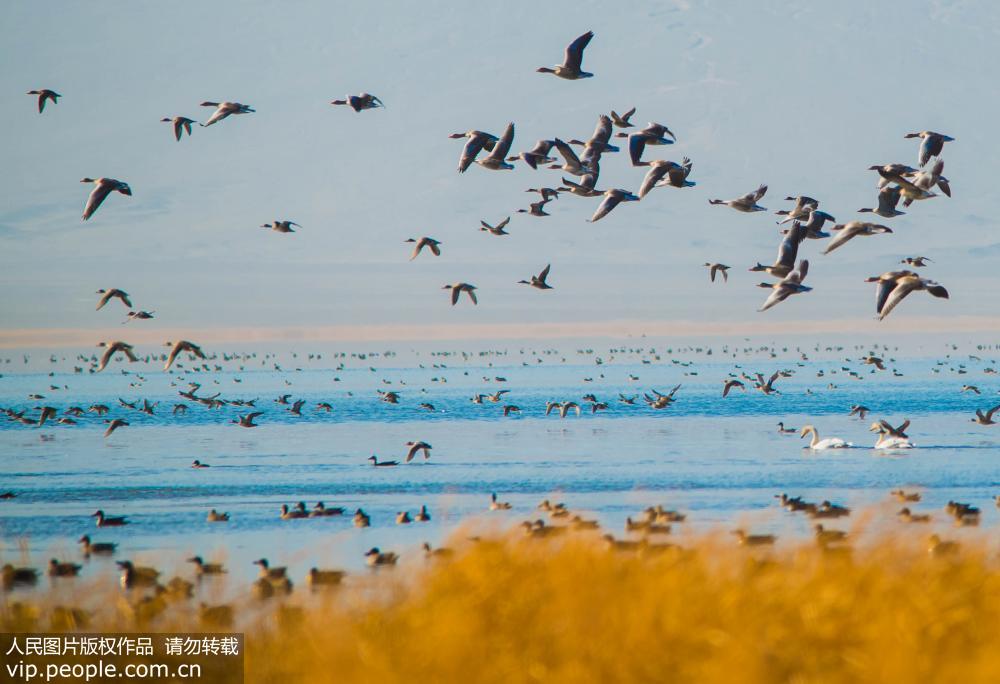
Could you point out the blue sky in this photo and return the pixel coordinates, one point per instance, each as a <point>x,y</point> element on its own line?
<point>803,96</point>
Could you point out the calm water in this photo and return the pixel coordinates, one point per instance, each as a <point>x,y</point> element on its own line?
<point>721,461</point>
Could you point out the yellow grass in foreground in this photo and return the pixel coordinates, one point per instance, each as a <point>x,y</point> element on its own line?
<point>570,610</point>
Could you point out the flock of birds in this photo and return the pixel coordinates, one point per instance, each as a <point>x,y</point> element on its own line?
<point>898,183</point>
<point>580,174</point>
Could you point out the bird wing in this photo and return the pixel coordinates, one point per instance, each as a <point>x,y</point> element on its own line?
<point>472,296</point>
<point>758,193</point>
<point>472,148</point>
<point>989,414</point>
<point>778,294</point>
<point>97,196</point>
<point>545,273</point>
<point>904,286</point>
<point>602,133</point>
<point>844,234</point>
<point>502,147</point>
<point>636,146</point>
<point>412,452</point>
<point>567,152</point>
<point>653,176</point>
<point>609,203</point>
<point>788,250</point>
<point>574,51</point>
<point>503,223</point>
<point>173,355</point>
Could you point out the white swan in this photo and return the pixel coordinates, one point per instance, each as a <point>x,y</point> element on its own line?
<point>819,444</point>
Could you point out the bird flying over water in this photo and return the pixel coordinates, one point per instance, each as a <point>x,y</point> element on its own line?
<point>612,198</point>
<point>179,347</point>
<point>112,348</point>
<point>181,124</point>
<point>931,144</point>
<point>361,102</point>
<point>458,288</point>
<point>538,281</point>
<point>894,286</point>
<point>745,203</point>
<point>428,242</point>
<point>852,229</point>
<point>108,295</point>
<point>786,287</point>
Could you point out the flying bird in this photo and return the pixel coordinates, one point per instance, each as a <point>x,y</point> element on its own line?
<point>43,95</point>
<point>428,242</point>
<point>458,288</point>
<point>112,348</point>
<point>612,198</point>
<point>496,160</point>
<point>894,286</point>
<point>361,102</point>
<point>181,124</point>
<point>498,229</point>
<point>888,199</point>
<point>417,447</point>
<point>666,173</point>
<point>281,226</point>
<point>745,203</point>
<point>652,134</point>
<point>477,142</point>
<point>224,109</point>
<point>786,287</point>
<point>622,120</point>
<point>852,229</point>
<point>571,68</point>
<point>538,281</point>
<point>102,188</point>
<point>108,295</point>
<point>179,347</point>
<point>717,268</point>
<point>931,144</point>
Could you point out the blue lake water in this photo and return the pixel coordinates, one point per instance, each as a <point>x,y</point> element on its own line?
<point>721,461</point>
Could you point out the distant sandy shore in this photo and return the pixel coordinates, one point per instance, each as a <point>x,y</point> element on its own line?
<point>623,329</point>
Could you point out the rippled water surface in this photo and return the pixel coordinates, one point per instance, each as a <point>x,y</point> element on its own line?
<point>718,460</point>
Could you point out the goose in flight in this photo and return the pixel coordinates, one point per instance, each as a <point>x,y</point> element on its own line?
<point>894,286</point>
<point>660,401</point>
<point>361,102</point>
<point>985,418</point>
<point>599,142</point>
<point>563,408</point>
<point>114,425</point>
<point>43,95</point>
<point>546,193</point>
<point>571,68</point>
<point>112,348</point>
<point>181,124</point>
<point>888,199</point>
<point>179,347</point>
<point>818,444</point>
<point>102,188</point>
<point>539,154</point>
<point>729,384</point>
<point>889,437</point>
<point>417,447</point>
<point>247,420</point>
<point>666,173</point>
<point>916,262</point>
<point>224,109</point>
<point>652,134</point>
<point>476,143</point>
<point>572,164</point>
<point>787,252</point>
<point>786,287</point>
<point>889,173</point>
<point>622,120</point>
<point>745,203</point>
<point>458,288</point>
<point>538,281</point>
<point>537,209</point>
<point>428,242</point>
<point>930,177</point>
<point>852,229</point>
<point>612,198</point>
<point>138,316</point>
<point>281,226</point>
<point>585,188</point>
<point>813,223</point>
<point>717,268</point>
<point>114,292</point>
<point>803,205</point>
<point>497,159</point>
<point>498,229</point>
<point>767,387</point>
<point>931,144</point>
